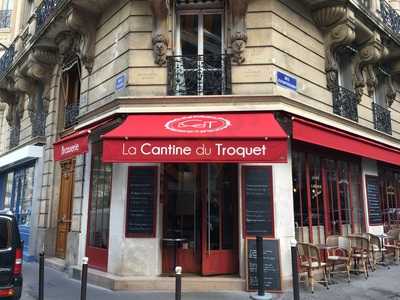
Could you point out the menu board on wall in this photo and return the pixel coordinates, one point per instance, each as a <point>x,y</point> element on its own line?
<point>257,196</point>
<point>141,202</point>
<point>272,265</point>
<point>374,201</point>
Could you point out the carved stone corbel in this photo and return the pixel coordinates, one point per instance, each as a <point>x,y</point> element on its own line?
<point>338,26</point>
<point>160,41</point>
<point>238,29</point>
<point>390,92</point>
<point>84,22</point>
<point>368,55</point>
<point>67,43</point>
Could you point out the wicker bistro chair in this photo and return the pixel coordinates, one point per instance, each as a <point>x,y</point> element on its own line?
<point>360,253</point>
<point>338,253</point>
<point>310,261</point>
<point>392,244</point>
<point>377,248</point>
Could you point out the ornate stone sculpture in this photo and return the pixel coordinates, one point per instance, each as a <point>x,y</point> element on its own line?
<point>160,41</point>
<point>84,22</point>
<point>368,55</point>
<point>238,29</point>
<point>338,25</point>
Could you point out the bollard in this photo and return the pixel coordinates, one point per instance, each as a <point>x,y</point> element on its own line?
<point>85,261</point>
<point>261,295</point>
<point>295,273</point>
<point>178,283</point>
<point>41,275</point>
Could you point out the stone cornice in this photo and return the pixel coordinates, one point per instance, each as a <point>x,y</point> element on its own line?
<point>231,103</point>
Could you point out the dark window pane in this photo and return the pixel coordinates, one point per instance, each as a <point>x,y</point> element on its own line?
<point>5,233</point>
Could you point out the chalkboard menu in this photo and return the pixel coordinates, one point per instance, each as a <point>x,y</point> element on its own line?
<point>272,265</point>
<point>374,202</point>
<point>257,195</point>
<point>141,202</point>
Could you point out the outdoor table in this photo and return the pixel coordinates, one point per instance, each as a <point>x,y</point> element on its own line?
<point>382,239</point>
<point>174,241</point>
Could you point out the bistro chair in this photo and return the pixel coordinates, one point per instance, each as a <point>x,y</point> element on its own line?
<point>338,253</point>
<point>310,261</point>
<point>360,253</point>
<point>392,244</point>
<point>377,248</point>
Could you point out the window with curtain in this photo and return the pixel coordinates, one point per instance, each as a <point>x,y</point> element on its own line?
<point>327,196</point>
<point>390,189</point>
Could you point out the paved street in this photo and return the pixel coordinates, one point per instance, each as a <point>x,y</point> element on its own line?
<point>382,284</point>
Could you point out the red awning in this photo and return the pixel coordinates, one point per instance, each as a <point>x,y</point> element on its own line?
<point>74,144</point>
<point>227,137</point>
<point>314,133</point>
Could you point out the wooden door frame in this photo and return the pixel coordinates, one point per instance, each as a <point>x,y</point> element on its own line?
<point>66,166</point>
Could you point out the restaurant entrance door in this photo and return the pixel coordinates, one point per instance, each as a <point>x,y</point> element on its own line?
<point>201,218</point>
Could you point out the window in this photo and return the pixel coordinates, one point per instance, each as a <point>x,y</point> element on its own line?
<point>381,113</point>
<point>71,90</point>
<point>390,189</point>
<point>200,66</point>
<point>100,197</point>
<point>327,196</point>
<point>8,4</point>
<point>18,193</point>
<point>5,233</point>
<point>345,100</point>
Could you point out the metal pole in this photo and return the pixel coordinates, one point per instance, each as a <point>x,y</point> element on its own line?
<point>41,275</point>
<point>260,266</point>
<point>178,283</point>
<point>295,273</point>
<point>85,261</point>
<point>261,295</point>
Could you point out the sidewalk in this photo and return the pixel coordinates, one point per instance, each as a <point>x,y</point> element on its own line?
<point>382,285</point>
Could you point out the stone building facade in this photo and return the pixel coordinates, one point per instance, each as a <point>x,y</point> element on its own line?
<point>326,71</point>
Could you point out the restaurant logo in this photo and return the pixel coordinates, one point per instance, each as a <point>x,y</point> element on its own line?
<point>197,124</point>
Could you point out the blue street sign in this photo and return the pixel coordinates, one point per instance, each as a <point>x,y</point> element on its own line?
<point>120,82</point>
<point>286,81</point>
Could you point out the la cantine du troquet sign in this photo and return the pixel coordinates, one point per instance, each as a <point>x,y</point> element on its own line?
<point>193,138</point>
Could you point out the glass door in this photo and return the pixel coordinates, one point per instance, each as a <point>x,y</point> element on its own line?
<point>181,239</point>
<point>220,227</point>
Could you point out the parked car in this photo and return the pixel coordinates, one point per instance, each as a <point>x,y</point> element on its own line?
<point>11,249</point>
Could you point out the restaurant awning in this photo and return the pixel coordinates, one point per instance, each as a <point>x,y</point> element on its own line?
<point>230,137</point>
<point>74,144</point>
<point>310,132</point>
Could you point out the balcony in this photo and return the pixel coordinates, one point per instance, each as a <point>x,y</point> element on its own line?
<point>38,124</point>
<point>6,60</point>
<point>382,119</point>
<point>45,11</point>
<point>5,18</point>
<point>14,136</point>
<point>71,114</point>
<point>390,17</point>
<point>345,103</point>
<point>199,75</point>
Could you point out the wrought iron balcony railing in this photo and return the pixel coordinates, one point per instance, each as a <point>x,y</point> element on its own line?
<point>382,119</point>
<point>345,103</point>
<point>199,75</point>
<point>390,17</point>
<point>6,60</point>
<point>71,114</point>
<point>45,11</point>
<point>14,136</point>
<point>5,18</point>
<point>39,124</point>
